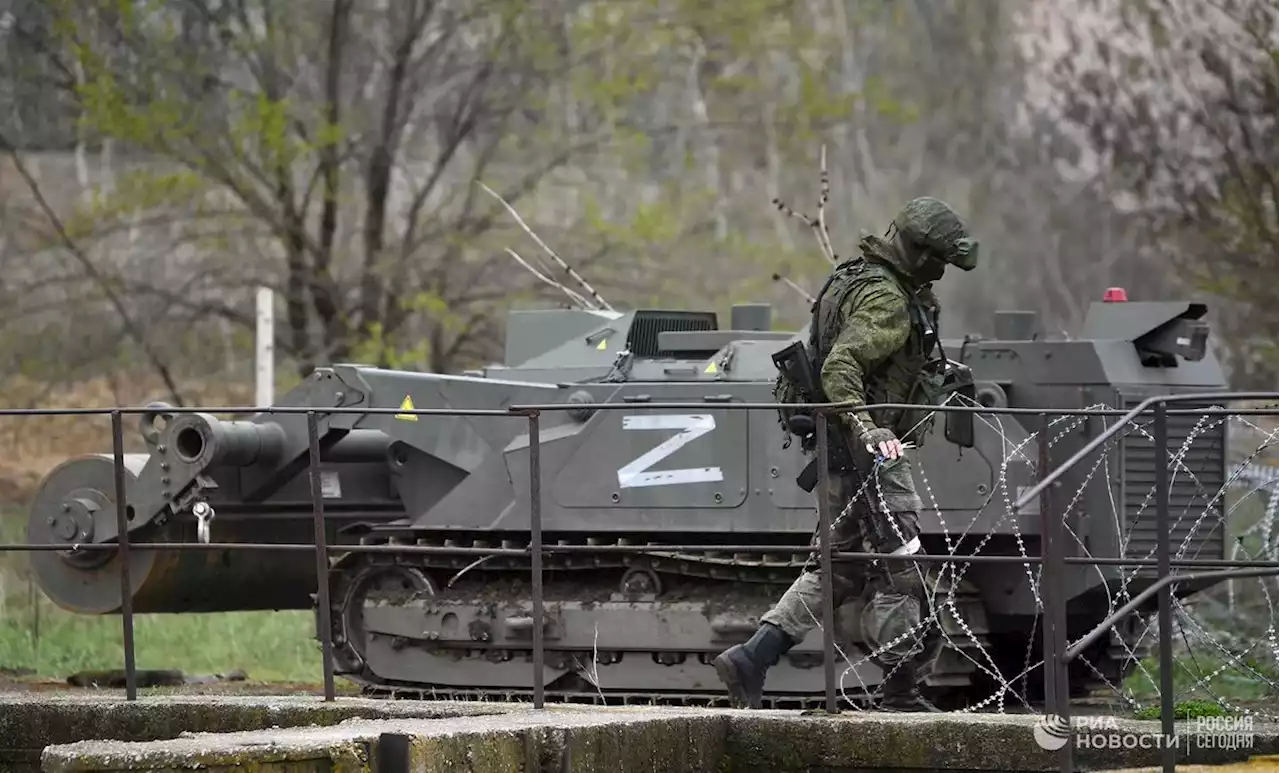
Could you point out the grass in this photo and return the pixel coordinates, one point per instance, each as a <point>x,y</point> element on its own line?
<point>1204,674</point>
<point>268,646</point>
<point>35,634</point>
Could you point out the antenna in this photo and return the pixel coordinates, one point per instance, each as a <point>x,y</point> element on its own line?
<point>600,303</point>
<point>819,223</point>
<point>576,298</point>
<point>802,292</point>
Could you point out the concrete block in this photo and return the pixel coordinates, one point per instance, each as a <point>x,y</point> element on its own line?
<point>782,742</point>
<point>514,738</point>
<point>560,740</point>
<point>31,722</point>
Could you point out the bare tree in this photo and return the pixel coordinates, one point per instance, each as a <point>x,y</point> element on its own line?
<point>333,152</point>
<point>1172,107</point>
<point>339,141</point>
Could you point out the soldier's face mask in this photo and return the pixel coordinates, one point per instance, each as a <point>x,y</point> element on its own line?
<point>921,263</point>
<point>931,267</point>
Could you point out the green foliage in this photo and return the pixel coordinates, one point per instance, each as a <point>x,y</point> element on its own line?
<point>734,47</point>
<point>615,91</point>
<point>1221,679</point>
<point>650,227</point>
<point>884,101</point>
<point>1193,709</point>
<point>262,121</point>
<point>133,193</point>
<point>399,352</point>
<point>378,349</point>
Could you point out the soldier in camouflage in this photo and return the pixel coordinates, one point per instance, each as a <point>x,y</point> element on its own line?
<point>876,327</point>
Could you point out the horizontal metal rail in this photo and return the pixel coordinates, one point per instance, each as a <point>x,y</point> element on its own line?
<point>1137,601</point>
<point>849,556</point>
<point>826,408</point>
<point>526,410</point>
<point>1057,655</point>
<point>1111,431</point>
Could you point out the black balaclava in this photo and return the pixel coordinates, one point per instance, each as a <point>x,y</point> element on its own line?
<point>918,263</point>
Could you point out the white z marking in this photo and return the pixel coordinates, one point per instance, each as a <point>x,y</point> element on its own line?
<point>636,473</point>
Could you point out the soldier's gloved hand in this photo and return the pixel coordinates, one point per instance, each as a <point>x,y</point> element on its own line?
<point>883,442</point>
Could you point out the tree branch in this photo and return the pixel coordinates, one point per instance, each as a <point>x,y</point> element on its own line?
<point>131,327</point>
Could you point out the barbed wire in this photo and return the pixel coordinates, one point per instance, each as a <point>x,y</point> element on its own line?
<point>1248,479</point>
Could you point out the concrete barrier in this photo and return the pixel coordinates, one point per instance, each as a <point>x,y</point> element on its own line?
<point>511,738</point>
<point>30,722</point>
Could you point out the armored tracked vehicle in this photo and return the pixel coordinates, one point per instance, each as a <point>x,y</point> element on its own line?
<point>641,627</point>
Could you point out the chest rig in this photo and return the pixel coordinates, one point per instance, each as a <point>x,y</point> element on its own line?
<point>912,375</point>
<point>896,379</point>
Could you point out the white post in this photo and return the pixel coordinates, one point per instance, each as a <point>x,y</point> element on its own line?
<point>265,348</point>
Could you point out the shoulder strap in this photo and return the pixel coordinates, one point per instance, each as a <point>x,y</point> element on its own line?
<point>924,321</point>
<point>844,270</point>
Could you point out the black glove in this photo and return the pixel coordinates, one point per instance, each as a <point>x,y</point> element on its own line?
<point>882,442</point>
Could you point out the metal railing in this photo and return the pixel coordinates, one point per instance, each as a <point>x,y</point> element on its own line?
<point>1057,655</point>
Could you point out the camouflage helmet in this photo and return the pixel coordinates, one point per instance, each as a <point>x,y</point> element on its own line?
<point>932,225</point>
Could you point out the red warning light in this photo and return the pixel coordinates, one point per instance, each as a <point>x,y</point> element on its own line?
<point>1114,295</point>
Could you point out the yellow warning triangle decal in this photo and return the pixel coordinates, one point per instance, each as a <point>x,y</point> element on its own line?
<point>406,405</point>
<point>711,369</point>
<point>602,344</point>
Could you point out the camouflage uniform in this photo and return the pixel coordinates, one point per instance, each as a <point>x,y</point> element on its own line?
<point>874,349</point>
<point>875,328</point>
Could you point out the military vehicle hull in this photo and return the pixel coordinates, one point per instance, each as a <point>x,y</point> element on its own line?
<point>627,461</point>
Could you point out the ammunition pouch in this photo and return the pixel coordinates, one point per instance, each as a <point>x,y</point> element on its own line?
<point>839,457</point>
<point>807,480</point>
<point>903,578</point>
<point>839,454</point>
<point>937,381</point>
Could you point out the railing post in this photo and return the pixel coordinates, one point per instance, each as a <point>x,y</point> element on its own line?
<point>824,547</point>
<point>1168,752</point>
<point>324,624</point>
<point>535,548</point>
<point>122,532</point>
<point>1057,698</point>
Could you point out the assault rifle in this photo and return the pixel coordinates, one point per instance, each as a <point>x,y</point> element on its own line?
<point>795,365</point>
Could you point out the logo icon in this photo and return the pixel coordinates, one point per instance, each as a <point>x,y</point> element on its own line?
<point>1052,732</point>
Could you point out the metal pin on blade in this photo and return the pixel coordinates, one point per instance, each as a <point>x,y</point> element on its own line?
<point>203,512</point>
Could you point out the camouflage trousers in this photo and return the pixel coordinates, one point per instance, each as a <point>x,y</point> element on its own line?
<point>894,592</point>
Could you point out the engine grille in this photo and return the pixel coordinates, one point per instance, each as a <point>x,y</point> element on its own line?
<point>642,339</point>
<point>1194,484</point>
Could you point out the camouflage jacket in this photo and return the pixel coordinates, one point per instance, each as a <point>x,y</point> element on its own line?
<point>873,333</point>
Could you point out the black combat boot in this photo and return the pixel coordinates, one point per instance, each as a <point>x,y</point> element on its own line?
<point>742,667</point>
<point>900,692</point>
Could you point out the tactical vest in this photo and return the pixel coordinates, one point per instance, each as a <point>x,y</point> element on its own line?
<point>898,378</point>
